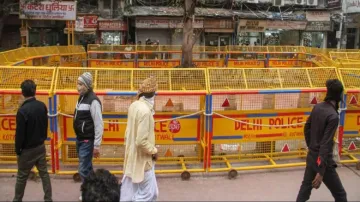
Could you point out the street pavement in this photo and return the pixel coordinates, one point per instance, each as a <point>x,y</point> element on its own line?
<point>264,185</point>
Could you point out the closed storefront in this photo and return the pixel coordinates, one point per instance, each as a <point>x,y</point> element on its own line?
<point>315,34</point>
<point>269,32</point>
<point>219,32</point>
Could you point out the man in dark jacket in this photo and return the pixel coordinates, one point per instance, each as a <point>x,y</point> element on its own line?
<point>31,132</point>
<point>88,125</point>
<point>319,130</point>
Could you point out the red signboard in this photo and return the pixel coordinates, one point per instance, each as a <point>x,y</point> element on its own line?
<point>112,25</point>
<point>90,21</point>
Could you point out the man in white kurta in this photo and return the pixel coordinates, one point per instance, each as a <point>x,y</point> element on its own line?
<point>139,182</point>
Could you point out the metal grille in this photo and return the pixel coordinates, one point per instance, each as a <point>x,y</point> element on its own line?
<point>350,78</point>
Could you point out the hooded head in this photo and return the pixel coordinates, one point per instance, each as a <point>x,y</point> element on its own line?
<point>148,88</point>
<point>84,83</point>
<point>334,92</point>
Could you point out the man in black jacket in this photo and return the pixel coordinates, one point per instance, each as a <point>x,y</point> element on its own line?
<point>31,132</point>
<point>319,130</point>
<point>88,125</point>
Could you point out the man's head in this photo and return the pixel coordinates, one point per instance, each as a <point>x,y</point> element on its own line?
<point>99,186</point>
<point>84,83</point>
<point>148,87</point>
<point>335,90</point>
<point>28,88</point>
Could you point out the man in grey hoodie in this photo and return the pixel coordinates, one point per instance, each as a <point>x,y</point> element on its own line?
<point>88,125</point>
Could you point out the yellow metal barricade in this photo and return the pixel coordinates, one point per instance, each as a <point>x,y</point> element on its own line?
<point>44,56</point>
<point>257,116</point>
<point>209,56</point>
<point>111,56</point>
<point>11,99</point>
<point>351,116</point>
<point>179,107</point>
<point>158,56</point>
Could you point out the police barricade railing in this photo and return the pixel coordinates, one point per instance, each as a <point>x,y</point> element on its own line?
<point>10,100</point>
<point>179,107</point>
<point>257,116</point>
<point>208,56</point>
<point>350,141</point>
<point>116,59</point>
<point>44,56</point>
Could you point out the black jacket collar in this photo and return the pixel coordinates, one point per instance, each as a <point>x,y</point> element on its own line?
<point>28,100</point>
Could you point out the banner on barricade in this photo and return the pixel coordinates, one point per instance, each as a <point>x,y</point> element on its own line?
<point>159,63</point>
<point>247,63</point>
<point>259,127</point>
<point>113,63</point>
<point>284,63</point>
<point>208,63</point>
<point>185,130</point>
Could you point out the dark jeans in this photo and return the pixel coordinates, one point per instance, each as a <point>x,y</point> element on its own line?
<point>85,151</point>
<point>331,180</point>
<point>26,161</point>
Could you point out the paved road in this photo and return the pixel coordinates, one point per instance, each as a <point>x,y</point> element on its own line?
<point>269,185</point>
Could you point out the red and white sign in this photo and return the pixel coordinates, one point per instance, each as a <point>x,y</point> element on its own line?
<point>48,10</point>
<point>285,148</point>
<point>117,25</point>
<point>24,32</point>
<point>174,126</point>
<point>322,16</point>
<point>90,21</point>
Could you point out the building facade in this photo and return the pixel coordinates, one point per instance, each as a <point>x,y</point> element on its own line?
<point>313,23</point>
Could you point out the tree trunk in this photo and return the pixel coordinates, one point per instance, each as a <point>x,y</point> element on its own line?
<point>189,38</point>
<point>2,19</point>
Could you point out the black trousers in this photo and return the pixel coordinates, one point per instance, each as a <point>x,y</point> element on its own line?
<point>26,161</point>
<point>331,180</point>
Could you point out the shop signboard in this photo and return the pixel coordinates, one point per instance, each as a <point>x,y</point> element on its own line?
<point>321,16</point>
<point>178,23</point>
<point>351,6</point>
<point>152,23</point>
<point>112,25</point>
<point>219,24</point>
<point>48,10</point>
<point>319,26</point>
<point>333,3</point>
<point>252,26</point>
<point>286,25</point>
<point>164,23</point>
<point>90,21</point>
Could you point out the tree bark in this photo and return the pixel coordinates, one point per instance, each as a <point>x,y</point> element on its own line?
<point>189,38</point>
<point>1,26</point>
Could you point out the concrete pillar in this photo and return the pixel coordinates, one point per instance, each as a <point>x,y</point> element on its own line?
<point>325,40</point>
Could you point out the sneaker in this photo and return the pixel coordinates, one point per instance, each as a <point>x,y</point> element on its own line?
<point>80,198</point>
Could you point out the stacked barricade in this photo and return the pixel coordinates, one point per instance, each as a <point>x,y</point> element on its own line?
<point>256,116</point>
<point>346,59</point>
<point>179,108</point>
<point>268,56</point>
<point>107,56</point>
<point>10,100</point>
<point>350,118</point>
<point>45,56</point>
